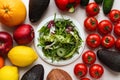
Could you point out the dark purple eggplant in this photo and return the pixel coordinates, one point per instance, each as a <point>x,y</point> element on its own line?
<point>37,9</point>
<point>35,73</point>
<point>110,58</point>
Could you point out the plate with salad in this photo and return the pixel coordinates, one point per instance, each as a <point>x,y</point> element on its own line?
<point>59,40</point>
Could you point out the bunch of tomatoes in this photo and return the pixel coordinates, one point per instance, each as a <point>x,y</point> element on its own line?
<point>103,28</point>
<point>100,34</point>
<point>81,69</point>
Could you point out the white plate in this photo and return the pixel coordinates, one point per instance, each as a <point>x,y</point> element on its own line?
<point>62,62</point>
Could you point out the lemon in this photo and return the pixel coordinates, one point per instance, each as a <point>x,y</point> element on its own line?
<point>22,56</point>
<point>9,73</point>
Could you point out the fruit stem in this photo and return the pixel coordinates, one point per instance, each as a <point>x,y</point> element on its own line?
<point>71,10</point>
<point>6,10</point>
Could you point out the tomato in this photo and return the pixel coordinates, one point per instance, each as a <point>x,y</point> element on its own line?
<point>89,57</point>
<point>117,29</point>
<point>93,40</point>
<point>117,44</point>
<point>67,5</point>
<point>96,71</point>
<point>92,9</point>
<point>108,41</point>
<point>90,23</point>
<point>84,79</point>
<point>105,27</point>
<point>80,70</point>
<point>114,15</point>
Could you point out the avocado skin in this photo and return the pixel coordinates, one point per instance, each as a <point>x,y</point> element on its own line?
<point>84,2</point>
<point>98,1</point>
<point>110,58</point>
<point>35,73</point>
<point>37,8</point>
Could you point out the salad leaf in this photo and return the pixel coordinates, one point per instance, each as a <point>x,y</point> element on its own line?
<point>63,43</point>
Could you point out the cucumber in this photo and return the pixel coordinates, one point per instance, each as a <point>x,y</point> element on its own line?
<point>107,6</point>
<point>84,2</point>
<point>61,52</point>
<point>98,1</point>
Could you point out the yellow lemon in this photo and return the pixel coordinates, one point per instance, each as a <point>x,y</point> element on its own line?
<point>9,73</point>
<point>22,56</point>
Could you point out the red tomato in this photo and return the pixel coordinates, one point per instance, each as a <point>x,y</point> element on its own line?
<point>67,5</point>
<point>117,29</point>
<point>96,71</point>
<point>117,44</point>
<point>108,41</point>
<point>84,79</point>
<point>80,70</point>
<point>114,15</point>
<point>89,57</point>
<point>91,23</point>
<point>92,9</point>
<point>105,27</point>
<point>93,40</point>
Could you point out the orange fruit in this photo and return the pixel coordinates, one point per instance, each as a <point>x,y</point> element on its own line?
<point>1,62</point>
<point>12,12</point>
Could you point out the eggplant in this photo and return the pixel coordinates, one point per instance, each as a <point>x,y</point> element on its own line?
<point>37,9</point>
<point>110,58</point>
<point>35,73</point>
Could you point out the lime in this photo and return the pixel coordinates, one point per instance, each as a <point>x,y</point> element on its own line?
<point>22,56</point>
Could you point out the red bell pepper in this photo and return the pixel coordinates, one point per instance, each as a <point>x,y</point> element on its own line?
<point>67,5</point>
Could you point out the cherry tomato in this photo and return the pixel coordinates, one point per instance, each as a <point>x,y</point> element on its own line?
<point>91,23</point>
<point>96,71</point>
<point>105,27</point>
<point>117,44</point>
<point>92,9</point>
<point>93,40</point>
<point>117,29</point>
<point>84,79</point>
<point>108,41</point>
<point>89,57</point>
<point>114,15</point>
<point>80,70</point>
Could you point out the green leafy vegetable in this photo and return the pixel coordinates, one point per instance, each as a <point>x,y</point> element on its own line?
<point>59,41</point>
